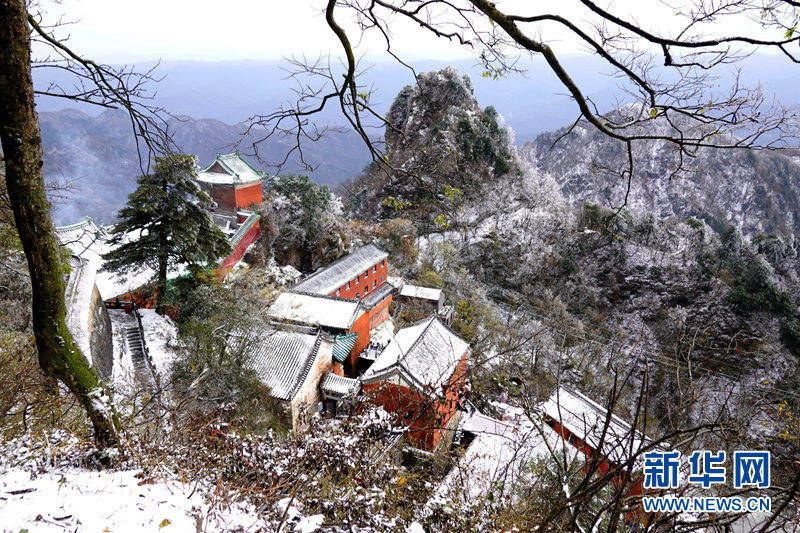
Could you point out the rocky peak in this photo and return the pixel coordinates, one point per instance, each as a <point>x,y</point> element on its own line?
<point>441,147</point>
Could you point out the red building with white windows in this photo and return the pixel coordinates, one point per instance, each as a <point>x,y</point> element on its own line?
<point>360,275</point>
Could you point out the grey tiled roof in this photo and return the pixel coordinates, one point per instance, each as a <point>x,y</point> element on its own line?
<point>377,296</point>
<point>282,358</point>
<point>340,386</point>
<point>427,353</point>
<point>333,276</point>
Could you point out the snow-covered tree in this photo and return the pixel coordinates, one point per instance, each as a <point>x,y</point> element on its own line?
<point>164,225</point>
<point>306,219</point>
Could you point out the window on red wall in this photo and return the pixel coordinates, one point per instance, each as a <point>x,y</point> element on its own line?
<point>337,292</point>
<point>358,295</point>
<point>348,284</point>
<point>374,282</point>
<point>374,268</point>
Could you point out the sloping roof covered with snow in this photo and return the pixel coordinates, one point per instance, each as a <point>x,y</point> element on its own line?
<point>427,353</point>
<point>585,419</point>
<point>499,459</point>
<point>329,278</point>
<point>234,170</point>
<point>377,296</point>
<point>282,358</point>
<point>314,309</point>
<point>82,238</point>
<point>396,281</point>
<point>340,386</point>
<point>89,241</point>
<point>415,291</point>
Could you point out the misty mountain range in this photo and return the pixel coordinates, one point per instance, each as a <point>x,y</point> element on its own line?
<point>96,152</point>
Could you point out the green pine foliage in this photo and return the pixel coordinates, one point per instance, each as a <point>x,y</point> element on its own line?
<point>166,214</point>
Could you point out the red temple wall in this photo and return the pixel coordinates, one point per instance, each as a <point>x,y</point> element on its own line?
<point>249,238</point>
<point>361,327</point>
<point>225,198</point>
<point>429,418</point>
<point>381,271</point>
<point>379,313</point>
<point>250,194</point>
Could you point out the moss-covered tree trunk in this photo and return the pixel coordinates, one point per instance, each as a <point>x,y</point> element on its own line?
<point>59,356</point>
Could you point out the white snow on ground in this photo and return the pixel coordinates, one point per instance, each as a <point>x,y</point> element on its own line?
<point>160,333</point>
<point>74,499</point>
<point>42,488</point>
<point>309,524</point>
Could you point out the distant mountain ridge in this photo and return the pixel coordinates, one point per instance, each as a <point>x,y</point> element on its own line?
<point>98,153</point>
<point>755,191</point>
<point>98,156</point>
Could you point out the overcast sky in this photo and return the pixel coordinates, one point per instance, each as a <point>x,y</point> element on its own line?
<point>116,31</point>
<point>211,30</point>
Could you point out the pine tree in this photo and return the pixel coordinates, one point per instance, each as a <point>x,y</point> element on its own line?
<point>165,214</point>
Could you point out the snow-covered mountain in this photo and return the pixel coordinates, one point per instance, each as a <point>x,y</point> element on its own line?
<point>648,287</point>
<point>755,191</point>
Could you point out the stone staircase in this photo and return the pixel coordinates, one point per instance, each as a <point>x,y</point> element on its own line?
<point>134,344</point>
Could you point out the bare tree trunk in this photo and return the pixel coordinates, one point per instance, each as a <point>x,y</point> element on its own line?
<point>59,356</point>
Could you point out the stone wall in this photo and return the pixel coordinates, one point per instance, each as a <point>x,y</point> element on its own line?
<point>100,337</point>
<point>304,404</point>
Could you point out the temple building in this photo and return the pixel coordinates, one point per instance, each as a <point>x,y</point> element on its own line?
<point>290,361</point>
<point>420,376</point>
<point>360,275</point>
<point>232,183</point>
<point>346,320</point>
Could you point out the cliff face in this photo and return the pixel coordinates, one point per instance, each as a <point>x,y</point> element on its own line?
<point>756,191</point>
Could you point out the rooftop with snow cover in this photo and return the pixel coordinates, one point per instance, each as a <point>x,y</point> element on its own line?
<point>339,386</point>
<point>82,238</point>
<point>230,169</point>
<point>282,358</point>
<point>314,309</point>
<point>89,241</point>
<point>426,354</point>
<point>425,293</point>
<point>586,419</point>
<point>329,278</point>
